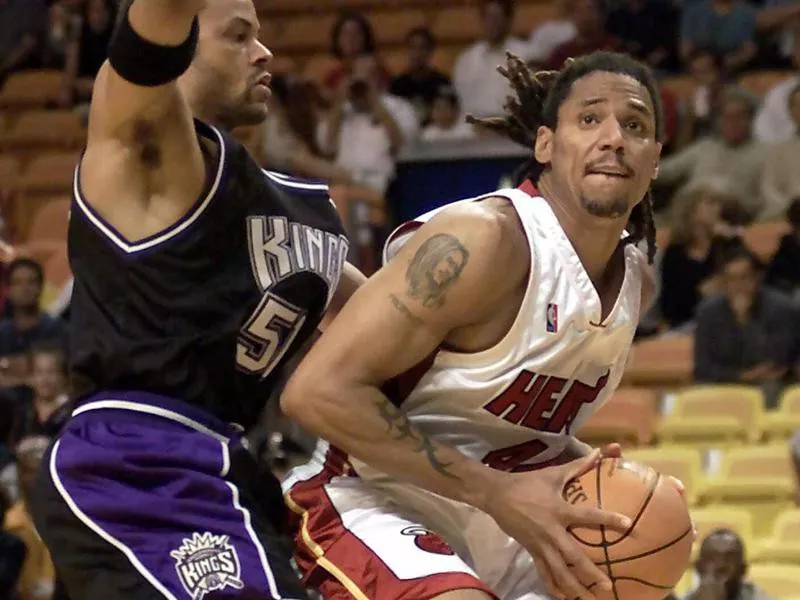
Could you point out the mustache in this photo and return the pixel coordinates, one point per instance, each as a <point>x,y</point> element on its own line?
<point>614,161</point>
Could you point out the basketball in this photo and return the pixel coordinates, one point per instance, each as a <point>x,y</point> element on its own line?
<point>646,561</point>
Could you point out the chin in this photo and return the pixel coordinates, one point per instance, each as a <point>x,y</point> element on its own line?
<point>606,208</point>
<point>250,115</point>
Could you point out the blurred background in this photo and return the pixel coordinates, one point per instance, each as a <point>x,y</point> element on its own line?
<point>371,95</point>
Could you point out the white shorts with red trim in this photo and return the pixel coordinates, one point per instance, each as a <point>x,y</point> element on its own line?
<point>368,541</point>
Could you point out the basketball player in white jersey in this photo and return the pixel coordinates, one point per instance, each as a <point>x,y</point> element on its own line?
<point>450,386</point>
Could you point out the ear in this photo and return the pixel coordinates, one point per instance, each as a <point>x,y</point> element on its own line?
<point>543,148</point>
<point>659,147</point>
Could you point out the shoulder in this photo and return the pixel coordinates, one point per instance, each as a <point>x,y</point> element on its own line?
<point>299,186</point>
<point>711,306</point>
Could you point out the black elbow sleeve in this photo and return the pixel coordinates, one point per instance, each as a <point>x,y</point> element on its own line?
<point>147,64</point>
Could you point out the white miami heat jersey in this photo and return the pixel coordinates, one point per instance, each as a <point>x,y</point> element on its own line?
<point>514,405</point>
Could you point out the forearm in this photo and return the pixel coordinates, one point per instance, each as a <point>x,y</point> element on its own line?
<point>392,128</point>
<point>362,421</point>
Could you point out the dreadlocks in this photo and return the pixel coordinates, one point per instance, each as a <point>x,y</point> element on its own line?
<point>538,96</point>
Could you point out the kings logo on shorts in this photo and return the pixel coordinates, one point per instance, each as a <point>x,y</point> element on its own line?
<point>207,563</point>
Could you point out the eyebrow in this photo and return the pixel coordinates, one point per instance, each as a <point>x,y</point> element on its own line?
<point>635,105</point>
<point>248,25</point>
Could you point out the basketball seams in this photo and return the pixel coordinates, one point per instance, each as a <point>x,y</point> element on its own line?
<point>654,550</point>
<point>603,542</point>
<point>651,492</point>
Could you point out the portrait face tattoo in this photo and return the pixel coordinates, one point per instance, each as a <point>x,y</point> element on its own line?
<point>434,268</point>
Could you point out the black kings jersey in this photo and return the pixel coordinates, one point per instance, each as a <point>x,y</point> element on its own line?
<point>207,310</point>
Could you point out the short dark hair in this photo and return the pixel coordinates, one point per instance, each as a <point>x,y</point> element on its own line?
<point>738,251</point>
<point>539,95</point>
<point>25,263</point>
<point>448,92</point>
<point>508,6</point>
<point>424,33</point>
<point>366,30</point>
<point>793,213</point>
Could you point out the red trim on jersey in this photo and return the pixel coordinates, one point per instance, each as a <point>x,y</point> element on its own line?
<point>400,387</point>
<point>529,188</point>
<point>362,568</point>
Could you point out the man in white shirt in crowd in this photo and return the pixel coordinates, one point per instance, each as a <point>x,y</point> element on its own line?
<point>774,121</point>
<point>446,123</point>
<point>481,88</point>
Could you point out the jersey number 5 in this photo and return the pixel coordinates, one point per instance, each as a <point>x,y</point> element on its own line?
<point>268,335</point>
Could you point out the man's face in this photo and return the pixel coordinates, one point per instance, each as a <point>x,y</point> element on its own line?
<point>47,375</point>
<point>735,121</point>
<point>230,66</point>
<point>740,280</point>
<point>419,51</point>
<point>496,23</point>
<point>24,288</point>
<point>721,558</point>
<point>603,152</point>
<point>588,18</point>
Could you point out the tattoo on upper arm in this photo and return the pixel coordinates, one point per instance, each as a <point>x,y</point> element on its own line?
<point>400,426</point>
<point>436,266</point>
<point>398,304</point>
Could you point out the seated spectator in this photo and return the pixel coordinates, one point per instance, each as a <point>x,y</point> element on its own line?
<point>781,180</point>
<point>446,122</point>
<point>774,121</point>
<point>367,127</point>
<point>351,38</point>
<point>551,34</point>
<point>727,28</point>
<point>591,36</point>
<point>731,156</point>
<point>749,333</point>
<point>708,76</point>
<point>420,82</point>
<point>37,577</point>
<point>28,324</point>
<point>480,87</point>
<point>48,409</point>
<point>647,30</point>
<point>783,272</point>
<point>288,140</point>
<point>64,25</point>
<point>22,27</point>
<point>721,568</point>
<point>87,51</point>
<point>698,238</point>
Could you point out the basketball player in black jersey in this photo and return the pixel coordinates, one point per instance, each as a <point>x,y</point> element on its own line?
<point>197,275</point>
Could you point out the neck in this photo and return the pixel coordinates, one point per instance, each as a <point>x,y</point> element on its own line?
<point>595,240</point>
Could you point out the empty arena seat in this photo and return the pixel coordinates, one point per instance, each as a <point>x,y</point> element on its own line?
<point>684,463</point>
<point>45,231</point>
<point>708,519</point>
<point>665,361</point>
<point>31,89</point>
<point>392,26</point>
<point>783,546</point>
<point>457,24</point>
<point>529,16</point>
<point>306,32</point>
<point>45,128</point>
<point>48,173</point>
<point>783,422</point>
<point>776,580</point>
<point>629,418</point>
<point>758,478</point>
<point>9,173</point>
<point>709,414</point>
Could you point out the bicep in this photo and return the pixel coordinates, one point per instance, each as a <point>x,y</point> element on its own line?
<point>349,282</point>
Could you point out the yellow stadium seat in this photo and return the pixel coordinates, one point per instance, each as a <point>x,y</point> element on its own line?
<point>782,423</point>
<point>9,173</point>
<point>629,418</point>
<point>683,463</point>
<point>778,581</point>
<point>392,26</point>
<point>529,16</point>
<point>457,24</point>
<point>43,128</point>
<point>666,361</point>
<point>31,89</point>
<point>49,173</point>
<point>759,478</point>
<point>686,584</point>
<point>708,519</point>
<point>783,546</point>
<point>306,32</point>
<point>712,414</point>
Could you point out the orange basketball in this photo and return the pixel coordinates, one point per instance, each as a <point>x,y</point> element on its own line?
<point>648,560</point>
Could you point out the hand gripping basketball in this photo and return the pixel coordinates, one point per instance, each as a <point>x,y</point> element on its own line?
<point>531,509</point>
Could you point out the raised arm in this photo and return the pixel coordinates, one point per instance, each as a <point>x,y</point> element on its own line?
<point>140,126</point>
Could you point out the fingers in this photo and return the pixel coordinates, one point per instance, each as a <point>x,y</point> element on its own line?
<point>589,516</point>
<point>566,579</point>
<point>612,451</point>
<point>678,484</point>
<point>546,575</point>
<point>583,465</point>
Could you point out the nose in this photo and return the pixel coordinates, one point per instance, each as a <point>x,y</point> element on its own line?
<point>611,135</point>
<point>262,55</point>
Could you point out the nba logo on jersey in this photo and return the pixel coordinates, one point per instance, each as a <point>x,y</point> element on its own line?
<point>207,563</point>
<point>552,318</point>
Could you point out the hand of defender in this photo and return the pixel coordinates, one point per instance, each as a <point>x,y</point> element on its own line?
<point>531,509</point>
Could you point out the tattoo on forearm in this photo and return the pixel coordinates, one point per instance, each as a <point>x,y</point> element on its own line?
<point>398,304</point>
<point>400,426</point>
<point>435,267</point>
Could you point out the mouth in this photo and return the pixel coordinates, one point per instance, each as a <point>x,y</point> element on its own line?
<point>264,81</point>
<point>609,171</point>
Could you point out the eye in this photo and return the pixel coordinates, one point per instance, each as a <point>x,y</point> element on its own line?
<point>635,126</point>
<point>589,119</point>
